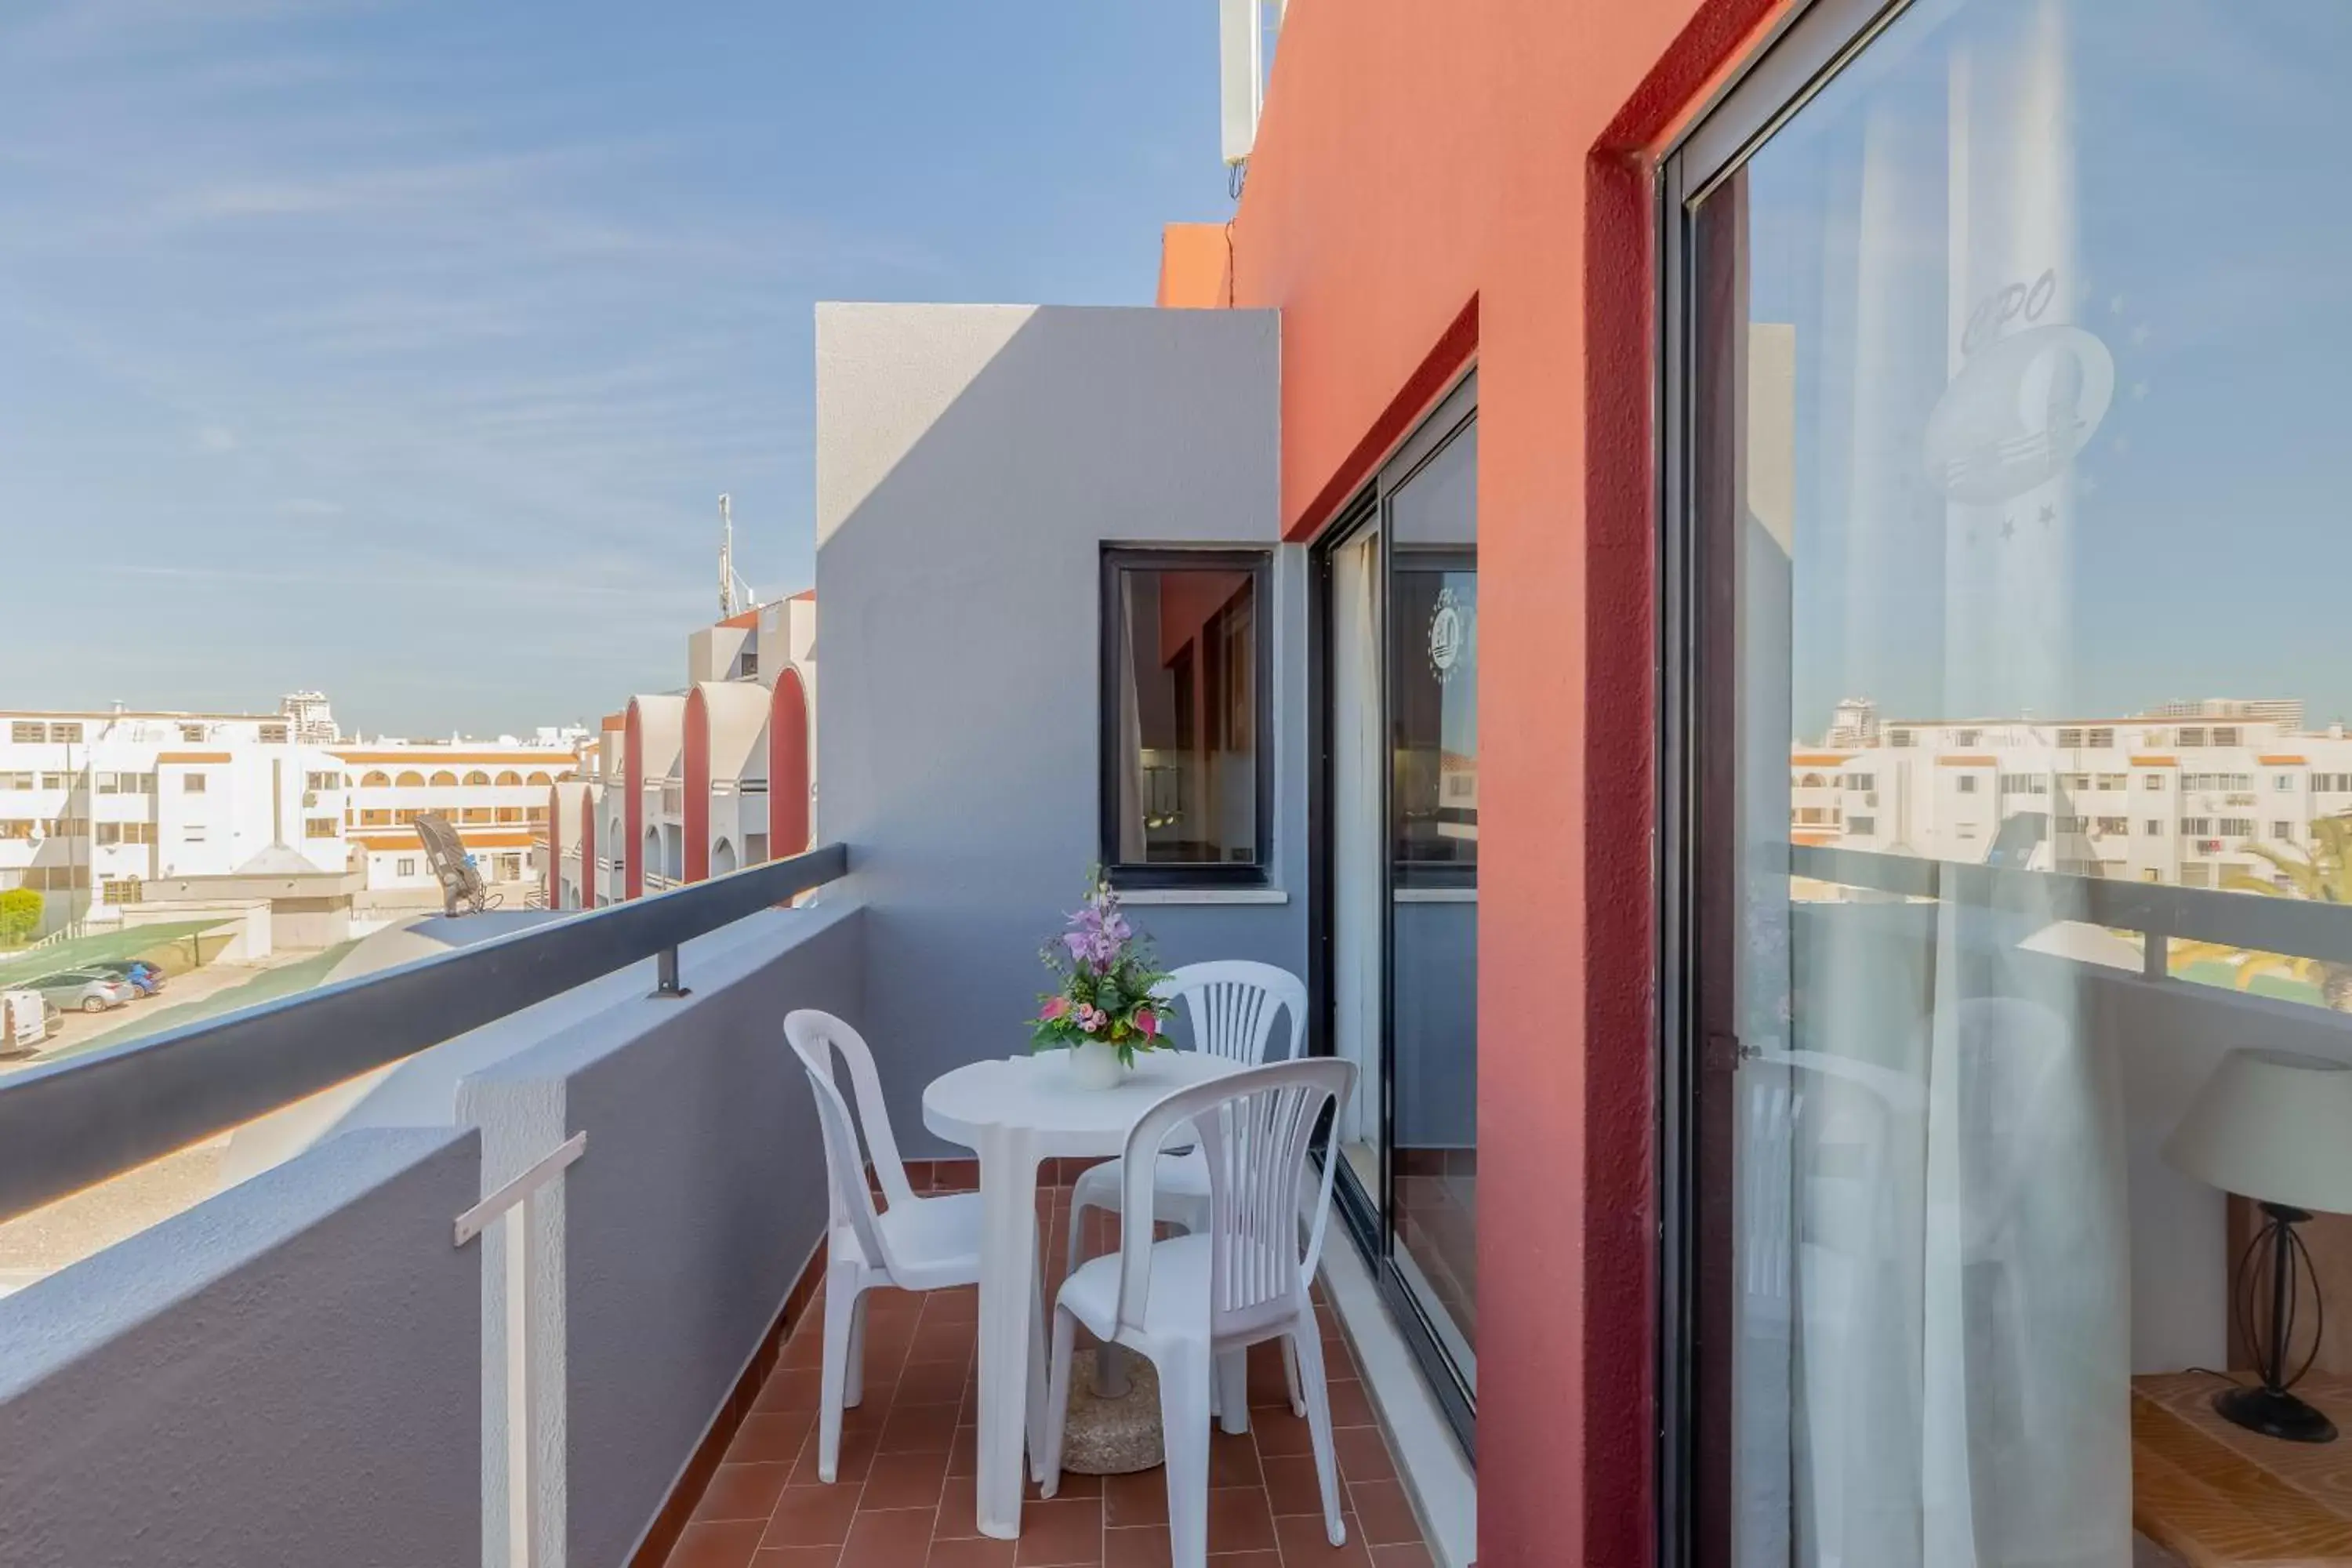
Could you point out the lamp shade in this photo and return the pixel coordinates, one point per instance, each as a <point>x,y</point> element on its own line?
<point>2274,1126</point>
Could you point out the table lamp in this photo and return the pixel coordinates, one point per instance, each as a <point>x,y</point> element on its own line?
<point>2276,1128</point>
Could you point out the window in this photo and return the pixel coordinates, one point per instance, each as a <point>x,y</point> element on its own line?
<point>2284,831</point>
<point>15,827</point>
<point>118,889</point>
<point>406,866</point>
<point>2115,825</point>
<point>108,833</point>
<point>1862,780</point>
<point>376,779</point>
<point>477,777</point>
<point>68,732</point>
<point>1901,738</point>
<point>375,817</point>
<point>1965,737</point>
<point>2331,783</point>
<point>17,781</point>
<point>54,780</point>
<point>2070,739</point>
<point>2069,824</point>
<point>409,780</point>
<point>191,783</point>
<point>1187,774</point>
<point>508,778</point>
<point>191,734</point>
<point>510,814</point>
<point>539,812</point>
<point>2074,781</point>
<point>2153,828</point>
<point>320,827</point>
<point>1862,826</point>
<point>323,781</point>
<point>2024,783</point>
<point>2102,740</point>
<point>1966,783</point>
<point>539,778</point>
<point>194,833</point>
<point>2113,781</point>
<point>444,779</point>
<point>474,814</point>
<point>1919,274</point>
<point>27,731</point>
<point>273,734</point>
<point>2283,782</point>
<point>126,783</point>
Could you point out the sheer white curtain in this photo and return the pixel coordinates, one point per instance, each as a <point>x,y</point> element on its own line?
<point>1934,1348</point>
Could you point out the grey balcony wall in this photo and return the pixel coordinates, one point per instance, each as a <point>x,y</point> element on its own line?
<point>700,1196</point>
<point>972,463</point>
<point>289,1373</point>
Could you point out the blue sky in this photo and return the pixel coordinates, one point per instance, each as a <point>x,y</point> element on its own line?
<point>401,348</point>
<point>2214,261</point>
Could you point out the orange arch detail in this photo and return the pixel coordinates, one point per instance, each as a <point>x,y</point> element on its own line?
<point>697,787</point>
<point>633,803</point>
<point>788,767</point>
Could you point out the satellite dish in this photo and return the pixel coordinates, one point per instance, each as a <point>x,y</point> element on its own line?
<point>462,888</point>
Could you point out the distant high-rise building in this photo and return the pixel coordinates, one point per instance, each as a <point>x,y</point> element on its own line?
<point>312,721</point>
<point>2286,712</point>
<point>1855,722</point>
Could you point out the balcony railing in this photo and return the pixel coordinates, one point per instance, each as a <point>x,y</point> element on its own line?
<point>320,1336</point>
<point>2295,928</point>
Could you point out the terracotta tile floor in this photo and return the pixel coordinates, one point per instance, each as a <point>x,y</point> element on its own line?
<point>904,1497</point>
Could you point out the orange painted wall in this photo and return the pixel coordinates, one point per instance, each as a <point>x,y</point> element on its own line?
<point>1432,182</point>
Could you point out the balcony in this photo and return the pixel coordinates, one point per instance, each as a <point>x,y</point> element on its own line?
<point>540,1289</point>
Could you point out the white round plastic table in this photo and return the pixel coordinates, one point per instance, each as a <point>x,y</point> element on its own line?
<point>1015,1113</point>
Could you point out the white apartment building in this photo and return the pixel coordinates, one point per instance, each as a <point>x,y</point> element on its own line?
<point>2178,799</point>
<point>95,804</point>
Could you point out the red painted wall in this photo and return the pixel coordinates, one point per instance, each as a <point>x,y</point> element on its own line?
<point>788,767</point>
<point>697,787</point>
<point>555,847</point>
<point>592,881</point>
<point>1432,185</point>
<point>633,805</point>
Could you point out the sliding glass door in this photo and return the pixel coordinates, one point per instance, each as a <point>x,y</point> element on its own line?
<point>1399,580</point>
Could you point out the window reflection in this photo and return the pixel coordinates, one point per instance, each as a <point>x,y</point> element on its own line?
<point>2016,397</point>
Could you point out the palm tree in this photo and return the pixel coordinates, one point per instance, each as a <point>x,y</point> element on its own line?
<point>2323,874</point>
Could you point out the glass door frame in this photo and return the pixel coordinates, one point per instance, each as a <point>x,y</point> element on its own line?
<point>1368,1216</point>
<point>1698,922</point>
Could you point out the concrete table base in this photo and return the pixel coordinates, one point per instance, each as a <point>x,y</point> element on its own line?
<point>1112,1436</point>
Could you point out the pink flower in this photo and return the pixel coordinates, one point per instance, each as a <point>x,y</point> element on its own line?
<point>1055,1008</point>
<point>1090,1017</point>
<point>1146,1024</point>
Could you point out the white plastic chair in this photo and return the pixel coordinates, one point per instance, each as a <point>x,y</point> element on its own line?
<point>1231,1004</point>
<point>1186,1304</point>
<point>914,1243</point>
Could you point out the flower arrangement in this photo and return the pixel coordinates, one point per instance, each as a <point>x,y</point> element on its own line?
<point>1107,973</point>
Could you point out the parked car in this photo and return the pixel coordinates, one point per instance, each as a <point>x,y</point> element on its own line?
<point>86,989</point>
<point>142,976</point>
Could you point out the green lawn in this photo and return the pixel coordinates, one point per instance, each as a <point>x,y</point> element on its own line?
<point>282,981</point>
<point>2215,972</point>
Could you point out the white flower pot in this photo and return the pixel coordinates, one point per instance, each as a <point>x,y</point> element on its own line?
<point>1096,1065</point>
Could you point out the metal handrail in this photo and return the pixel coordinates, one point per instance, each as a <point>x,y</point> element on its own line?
<point>2297,928</point>
<point>70,1124</point>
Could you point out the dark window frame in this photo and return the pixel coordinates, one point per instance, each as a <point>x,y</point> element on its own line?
<point>1697,922</point>
<point>1116,559</point>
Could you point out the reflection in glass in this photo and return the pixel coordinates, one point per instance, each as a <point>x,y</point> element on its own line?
<point>1433,669</point>
<point>2015,386</point>
<point>1187,694</point>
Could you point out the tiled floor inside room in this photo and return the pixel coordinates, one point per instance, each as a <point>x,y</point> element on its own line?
<point>904,1496</point>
